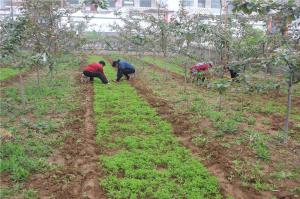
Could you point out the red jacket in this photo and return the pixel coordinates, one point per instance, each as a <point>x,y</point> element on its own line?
<point>94,67</point>
<point>200,67</point>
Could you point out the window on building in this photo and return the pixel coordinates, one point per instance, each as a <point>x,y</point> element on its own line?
<point>145,3</point>
<point>201,3</point>
<point>188,3</point>
<point>111,3</point>
<point>215,4</point>
<point>128,3</point>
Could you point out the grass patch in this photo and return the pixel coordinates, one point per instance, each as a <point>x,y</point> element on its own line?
<point>148,161</point>
<point>19,191</point>
<point>160,62</point>
<point>6,73</point>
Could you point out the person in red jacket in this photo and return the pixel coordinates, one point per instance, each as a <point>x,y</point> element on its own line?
<point>95,70</point>
<point>200,70</point>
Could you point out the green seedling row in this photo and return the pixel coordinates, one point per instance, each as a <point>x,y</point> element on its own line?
<point>142,158</point>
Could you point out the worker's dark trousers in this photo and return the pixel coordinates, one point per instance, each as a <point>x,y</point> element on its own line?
<point>128,71</point>
<point>233,74</point>
<point>91,75</point>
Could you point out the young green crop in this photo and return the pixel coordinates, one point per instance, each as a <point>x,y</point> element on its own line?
<point>164,64</point>
<point>39,126</point>
<point>6,73</point>
<point>146,160</point>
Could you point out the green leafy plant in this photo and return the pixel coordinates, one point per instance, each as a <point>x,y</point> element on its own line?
<point>221,86</point>
<point>148,161</point>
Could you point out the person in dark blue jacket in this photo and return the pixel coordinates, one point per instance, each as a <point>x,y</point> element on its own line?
<point>124,68</point>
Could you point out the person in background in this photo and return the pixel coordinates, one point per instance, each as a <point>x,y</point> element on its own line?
<point>95,70</point>
<point>200,70</point>
<point>124,68</point>
<point>234,70</point>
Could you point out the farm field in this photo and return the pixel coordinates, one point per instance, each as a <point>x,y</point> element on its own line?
<point>240,142</point>
<point>154,136</point>
<point>34,128</point>
<point>142,158</point>
<point>163,100</point>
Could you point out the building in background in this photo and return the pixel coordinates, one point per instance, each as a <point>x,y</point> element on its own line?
<point>102,19</point>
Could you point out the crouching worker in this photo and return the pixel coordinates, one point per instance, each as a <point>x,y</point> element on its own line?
<point>95,70</point>
<point>200,71</point>
<point>124,68</point>
<point>234,70</point>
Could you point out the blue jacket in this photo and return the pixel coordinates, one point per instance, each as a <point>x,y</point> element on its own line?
<point>125,65</point>
<point>124,68</point>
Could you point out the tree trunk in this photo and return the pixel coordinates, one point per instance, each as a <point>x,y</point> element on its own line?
<point>288,108</point>
<point>11,10</point>
<point>22,89</point>
<point>38,75</point>
<point>220,101</point>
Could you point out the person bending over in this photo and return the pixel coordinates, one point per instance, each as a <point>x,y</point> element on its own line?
<point>200,71</point>
<point>124,68</point>
<point>95,70</point>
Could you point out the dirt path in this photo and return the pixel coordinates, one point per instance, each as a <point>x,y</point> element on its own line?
<point>78,176</point>
<point>218,165</point>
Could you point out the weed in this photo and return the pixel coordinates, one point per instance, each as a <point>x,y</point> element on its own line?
<point>199,140</point>
<point>258,142</point>
<point>251,120</point>
<point>266,121</point>
<point>285,175</point>
<point>238,116</point>
<point>272,107</point>
<point>227,126</point>
<point>214,115</point>
<point>10,191</point>
<point>262,186</point>
<point>30,194</point>
<point>296,190</point>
